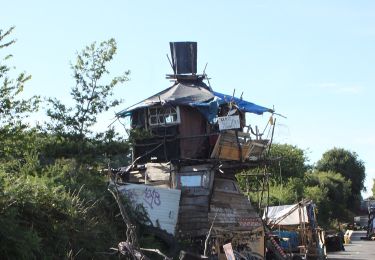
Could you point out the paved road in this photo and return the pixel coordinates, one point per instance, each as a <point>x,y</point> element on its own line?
<point>357,250</point>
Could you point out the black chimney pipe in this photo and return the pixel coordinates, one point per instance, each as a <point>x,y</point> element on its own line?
<point>184,57</point>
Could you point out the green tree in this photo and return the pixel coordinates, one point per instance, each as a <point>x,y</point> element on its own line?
<point>331,192</point>
<point>348,165</point>
<point>53,208</point>
<point>288,192</point>
<point>289,162</point>
<point>373,188</point>
<point>12,108</point>
<point>287,170</point>
<point>92,92</point>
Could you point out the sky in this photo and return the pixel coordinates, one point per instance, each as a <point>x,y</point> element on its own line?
<point>312,61</point>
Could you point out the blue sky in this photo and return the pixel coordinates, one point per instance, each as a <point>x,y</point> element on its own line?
<point>314,61</point>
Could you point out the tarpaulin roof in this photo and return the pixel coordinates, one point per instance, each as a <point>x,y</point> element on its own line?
<point>196,94</point>
<point>243,105</point>
<point>180,93</point>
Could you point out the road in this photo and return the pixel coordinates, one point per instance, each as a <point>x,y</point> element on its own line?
<point>357,249</point>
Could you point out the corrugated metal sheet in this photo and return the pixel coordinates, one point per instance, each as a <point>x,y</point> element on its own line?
<point>161,204</point>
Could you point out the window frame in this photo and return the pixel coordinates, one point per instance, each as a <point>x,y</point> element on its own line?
<point>172,111</point>
<point>204,179</point>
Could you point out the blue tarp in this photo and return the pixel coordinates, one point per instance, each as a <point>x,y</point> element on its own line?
<point>243,105</point>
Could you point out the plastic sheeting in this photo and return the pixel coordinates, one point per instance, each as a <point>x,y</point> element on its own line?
<point>182,93</point>
<point>286,215</point>
<point>243,105</point>
<point>196,95</point>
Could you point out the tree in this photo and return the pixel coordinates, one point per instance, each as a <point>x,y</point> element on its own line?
<point>331,192</point>
<point>12,108</point>
<point>350,167</point>
<point>290,161</point>
<point>92,96</point>
<point>288,192</point>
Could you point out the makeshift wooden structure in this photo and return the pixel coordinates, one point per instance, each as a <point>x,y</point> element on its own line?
<point>190,138</point>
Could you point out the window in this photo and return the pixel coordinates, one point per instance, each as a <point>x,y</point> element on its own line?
<point>199,179</point>
<point>166,115</point>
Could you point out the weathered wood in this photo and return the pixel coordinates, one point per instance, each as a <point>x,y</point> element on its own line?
<point>233,205</point>
<point>194,211</point>
<point>160,184</point>
<point>195,200</point>
<point>183,220</point>
<point>192,226</point>
<point>257,147</point>
<point>240,147</point>
<point>229,147</point>
<point>157,171</point>
<point>195,191</point>
<point>194,168</point>
<point>136,177</point>
<point>192,208</point>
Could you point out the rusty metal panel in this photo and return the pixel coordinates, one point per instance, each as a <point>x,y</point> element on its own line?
<point>161,204</point>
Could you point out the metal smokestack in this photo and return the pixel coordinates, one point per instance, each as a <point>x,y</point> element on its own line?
<point>184,57</point>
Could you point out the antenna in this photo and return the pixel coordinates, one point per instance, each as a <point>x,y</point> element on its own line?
<point>170,62</point>
<point>204,71</point>
<point>206,77</point>
<point>234,92</point>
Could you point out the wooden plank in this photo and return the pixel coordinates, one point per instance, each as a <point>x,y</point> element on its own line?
<point>226,146</point>
<point>161,184</point>
<point>195,168</point>
<point>257,147</point>
<point>194,191</point>
<point>230,211</point>
<point>215,151</point>
<point>186,220</point>
<point>194,214</point>
<point>228,196</point>
<point>157,171</point>
<point>232,133</point>
<point>191,208</point>
<point>195,200</point>
<point>229,204</point>
<point>228,152</point>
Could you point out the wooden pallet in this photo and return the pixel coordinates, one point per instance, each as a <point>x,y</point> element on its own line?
<point>238,148</point>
